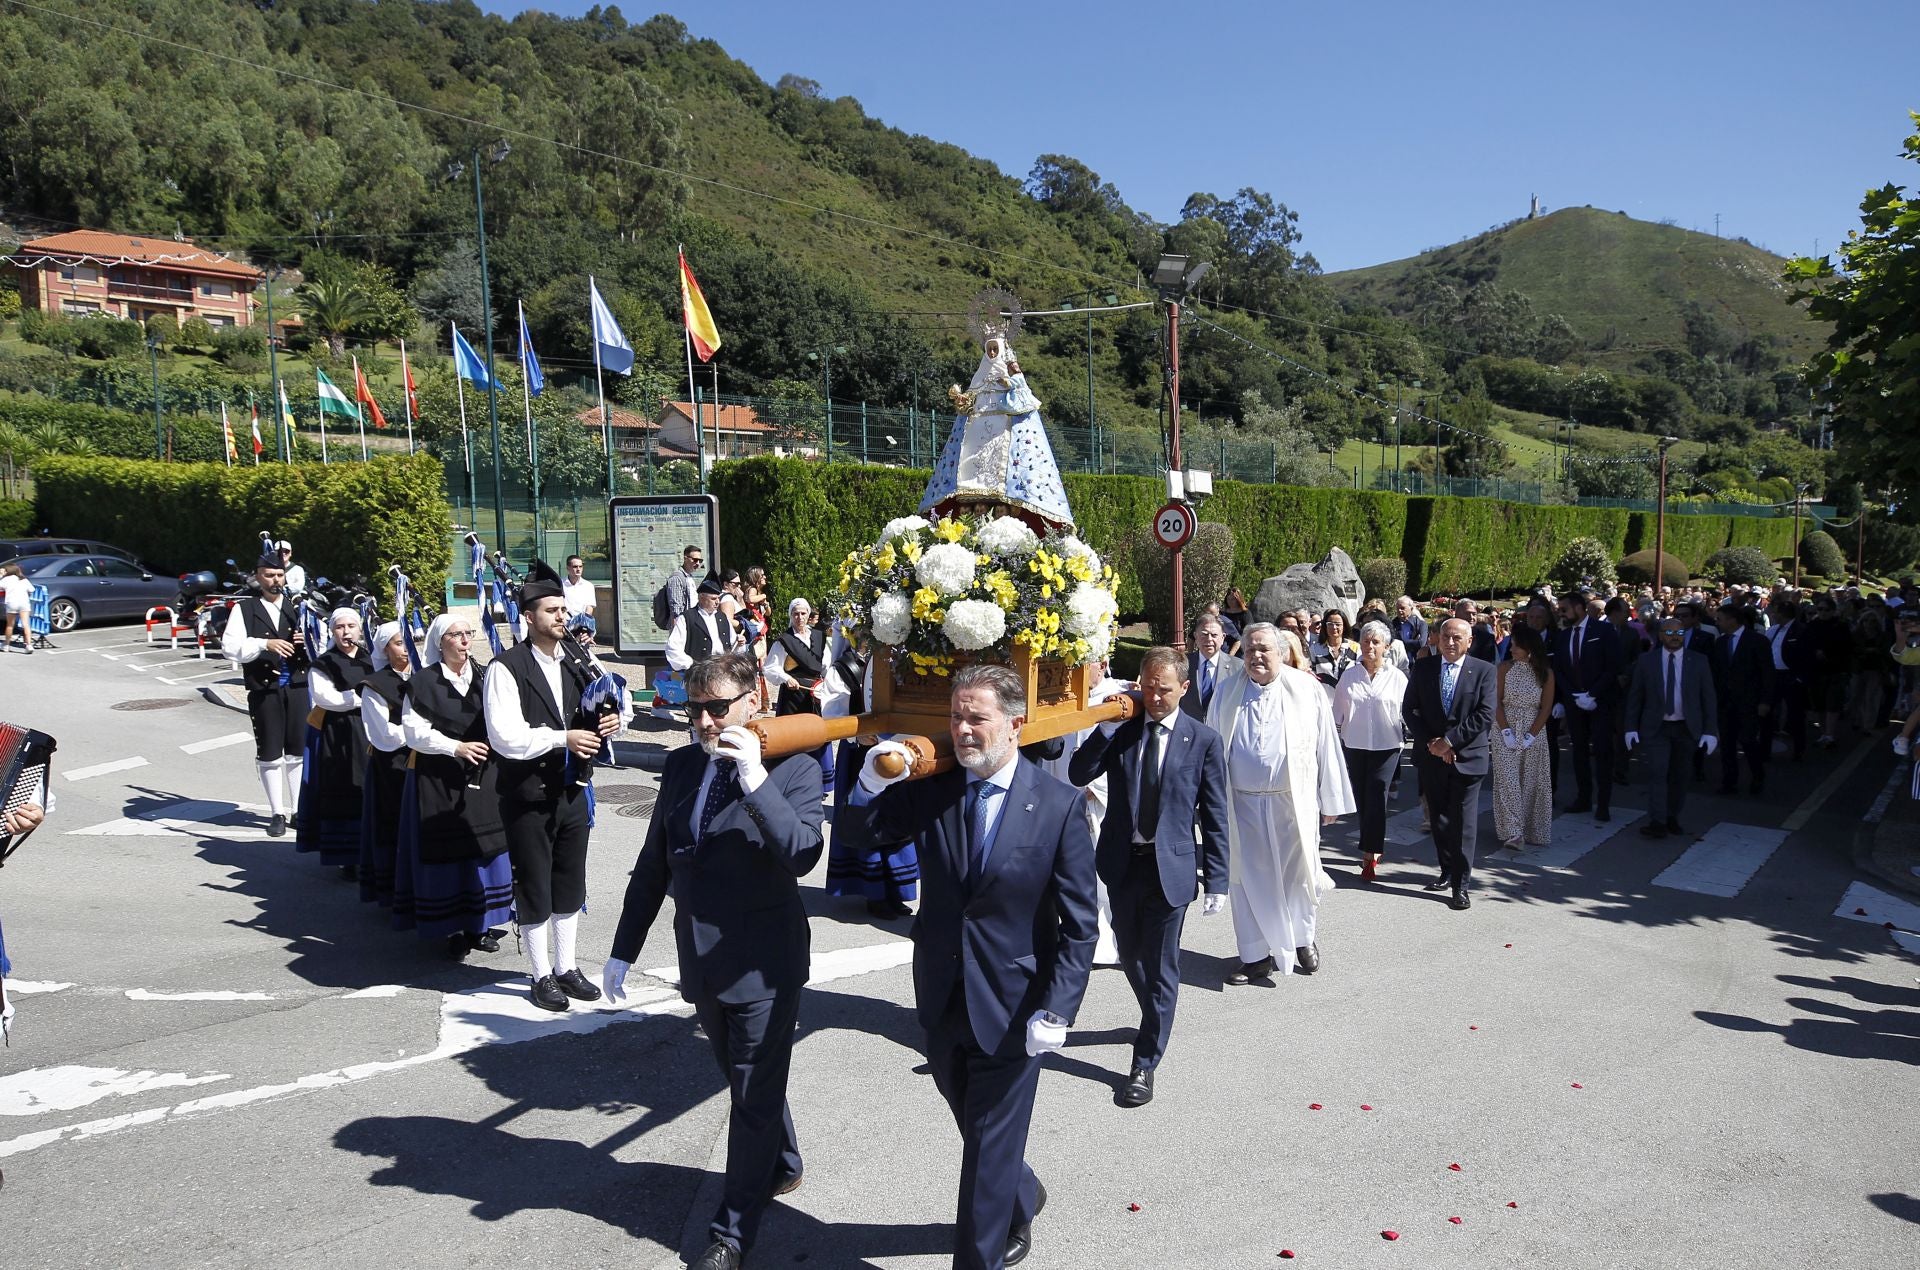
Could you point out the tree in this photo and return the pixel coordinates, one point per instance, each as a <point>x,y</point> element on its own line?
<point>449,291</point>
<point>1870,368</point>
<point>335,308</point>
<point>1597,477</point>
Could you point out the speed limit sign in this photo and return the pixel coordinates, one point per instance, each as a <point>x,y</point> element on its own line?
<point>1173,525</point>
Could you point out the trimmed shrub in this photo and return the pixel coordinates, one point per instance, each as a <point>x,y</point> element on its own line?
<point>16,518</point>
<point>1638,568</point>
<point>348,518</point>
<point>1384,577</point>
<point>107,337</point>
<point>1891,547</point>
<point>1582,561</point>
<point>1822,555</point>
<point>1747,566</point>
<point>196,332</point>
<point>125,434</point>
<point>1206,571</point>
<point>163,330</point>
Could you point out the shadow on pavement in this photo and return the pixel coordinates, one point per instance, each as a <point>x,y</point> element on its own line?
<point>1839,1029</point>
<point>1895,1204</point>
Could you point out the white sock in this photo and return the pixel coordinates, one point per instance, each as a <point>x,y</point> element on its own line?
<point>534,939</point>
<point>290,772</point>
<point>270,781</point>
<point>565,932</point>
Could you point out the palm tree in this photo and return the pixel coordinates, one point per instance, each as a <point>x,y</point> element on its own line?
<point>48,438</point>
<point>334,307</point>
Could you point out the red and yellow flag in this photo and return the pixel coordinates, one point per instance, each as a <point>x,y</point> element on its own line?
<point>413,394</point>
<point>694,311</point>
<point>364,395</point>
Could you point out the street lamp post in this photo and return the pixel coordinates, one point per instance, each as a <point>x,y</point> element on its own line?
<point>1799,501</point>
<point>825,357</point>
<point>1660,521</point>
<point>500,152</point>
<point>1090,297</point>
<point>153,356</point>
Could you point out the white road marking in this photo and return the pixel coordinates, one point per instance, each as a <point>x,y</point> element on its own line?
<point>187,679</point>
<point>216,743</point>
<point>1571,837</point>
<point>101,769</point>
<point>1895,779</point>
<point>499,1014</point>
<point>1911,943</point>
<point>1863,903</point>
<point>377,990</point>
<point>1723,861</point>
<point>841,963</point>
<point>43,1089</point>
<point>188,817</point>
<point>29,987</point>
<point>142,994</point>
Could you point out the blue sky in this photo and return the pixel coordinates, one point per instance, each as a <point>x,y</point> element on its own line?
<point>1389,127</point>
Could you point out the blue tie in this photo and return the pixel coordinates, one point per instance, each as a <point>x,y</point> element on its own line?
<point>1449,674</point>
<point>1206,683</point>
<point>724,789</point>
<point>978,838</point>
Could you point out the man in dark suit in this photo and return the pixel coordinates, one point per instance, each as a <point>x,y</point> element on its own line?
<point>1743,678</point>
<point>1449,712</point>
<point>1485,645</point>
<point>1587,663</point>
<point>1165,772</point>
<point>1673,709</point>
<point>1795,656</point>
<point>729,840</point>
<point>1003,943</point>
<point>1697,636</point>
<point>1209,665</point>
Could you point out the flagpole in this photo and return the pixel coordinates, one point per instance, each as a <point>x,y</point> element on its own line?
<point>359,411</point>
<point>693,404</point>
<point>226,437</point>
<point>283,428</point>
<point>606,416</point>
<point>406,393</point>
<point>526,401</point>
<point>253,409</point>
<point>322,413</point>
<point>466,448</point>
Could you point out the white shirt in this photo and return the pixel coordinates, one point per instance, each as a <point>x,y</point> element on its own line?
<point>236,644</point>
<point>324,696</point>
<point>1777,636</point>
<point>18,592</point>
<point>677,655</point>
<point>774,667</point>
<point>508,733</point>
<point>1366,708</point>
<point>578,595</point>
<point>1675,664</point>
<point>381,735</point>
<point>421,735</point>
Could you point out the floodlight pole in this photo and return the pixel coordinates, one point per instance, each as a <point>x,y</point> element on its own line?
<point>1174,464</point>
<point>1660,521</point>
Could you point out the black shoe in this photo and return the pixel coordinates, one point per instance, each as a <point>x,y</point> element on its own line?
<point>1651,830</point>
<point>458,947</point>
<point>1020,1238</point>
<point>720,1255</point>
<point>485,941</point>
<point>349,873</point>
<point>1261,969</point>
<point>1138,1091</point>
<point>887,910</point>
<point>575,985</point>
<point>1308,958</point>
<point>1579,805</point>
<point>1602,816</point>
<point>1460,903</point>
<point>788,1183</point>
<point>1440,883</point>
<point>1673,827</point>
<point>277,827</point>
<point>548,995</point>
<point>1756,785</point>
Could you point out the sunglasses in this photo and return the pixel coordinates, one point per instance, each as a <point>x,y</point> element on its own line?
<point>718,707</point>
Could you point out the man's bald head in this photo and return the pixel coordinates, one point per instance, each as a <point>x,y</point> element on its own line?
<point>1454,639</point>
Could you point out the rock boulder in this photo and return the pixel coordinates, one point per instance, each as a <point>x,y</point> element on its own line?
<point>1334,583</point>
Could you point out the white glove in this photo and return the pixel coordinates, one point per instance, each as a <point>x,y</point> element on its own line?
<point>1506,739</point>
<point>1044,1037</point>
<point>1633,739</point>
<point>743,747</point>
<point>613,980</point>
<point>1527,739</point>
<point>870,778</point>
<point>1213,905</point>
<point>1902,746</point>
<point>1559,711</point>
<point>1709,743</point>
<point>1585,701</point>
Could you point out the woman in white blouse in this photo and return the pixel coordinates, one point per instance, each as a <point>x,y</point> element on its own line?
<point>1366,709</point>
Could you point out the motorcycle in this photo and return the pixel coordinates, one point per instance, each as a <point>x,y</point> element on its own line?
<point>205,603</point>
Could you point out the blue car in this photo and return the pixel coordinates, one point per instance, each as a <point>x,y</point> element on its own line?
<point>94,588</point>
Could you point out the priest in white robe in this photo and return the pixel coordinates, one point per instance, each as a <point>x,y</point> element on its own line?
<point>1286,777</point>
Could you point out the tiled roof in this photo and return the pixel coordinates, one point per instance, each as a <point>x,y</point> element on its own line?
<point>729,418</point>
<point>164,253</point>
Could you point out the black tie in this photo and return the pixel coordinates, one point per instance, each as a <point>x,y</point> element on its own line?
<point>1672,709</point>
<point>1148,818</point>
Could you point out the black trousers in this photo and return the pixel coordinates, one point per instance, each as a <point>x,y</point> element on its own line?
<point>1147,930</point>
<point>1741,729</point>
<point>1669,761</point>
<point>547,842</point>
<point>1371,774</point>
<point>1554,731</point>
<point>1453,805</point>
<point>279,718</point>
<point>753,1044</point>
<point>1590,738</point>
<point>992,1102</point>
<point>1790,711</point>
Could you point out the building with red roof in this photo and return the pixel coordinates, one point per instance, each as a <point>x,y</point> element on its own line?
<point>86,272</point>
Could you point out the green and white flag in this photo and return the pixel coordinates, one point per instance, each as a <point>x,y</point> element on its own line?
<point>332,400</point>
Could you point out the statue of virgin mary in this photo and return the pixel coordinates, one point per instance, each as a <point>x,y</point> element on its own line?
<point>998,456</point>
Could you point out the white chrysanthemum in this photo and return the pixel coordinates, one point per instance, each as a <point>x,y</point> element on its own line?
<point>1073,549</point>
<point>900,525</point>
<point>947,568</point>
<point>1089,609</point>
<point>974,624</point>
<point>1005,535</point>
<point>892,618</point>
<point>1099,644</point>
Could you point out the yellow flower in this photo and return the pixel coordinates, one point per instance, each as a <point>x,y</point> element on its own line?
<point>886,559</point>
<point>924,602</point>
<point>912,552</point>
<point>949,530</point>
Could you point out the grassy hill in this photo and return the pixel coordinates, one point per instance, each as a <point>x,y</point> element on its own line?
<point>1621,283</point>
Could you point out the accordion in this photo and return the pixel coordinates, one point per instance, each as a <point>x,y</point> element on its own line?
<point>26,761</point>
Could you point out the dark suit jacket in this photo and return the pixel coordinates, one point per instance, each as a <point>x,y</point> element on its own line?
<point>1744,675</point>
<point>1193,786</point>
<point>1601,664</point>
<point>1410,633</point>
<point>1797,649</point>
<point>1485,645</point>
<point>1023,939</point>
<point>1646,698</point>
<point>737,916</point>
<point>1190,702</point>
<point>1701,640</point>
<point>1468,727</point>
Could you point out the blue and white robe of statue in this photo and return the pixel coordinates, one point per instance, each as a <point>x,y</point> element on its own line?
<point>1001,452</point>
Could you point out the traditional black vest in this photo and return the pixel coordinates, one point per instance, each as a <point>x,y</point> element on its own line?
<point>699,643</point>
<point>264,670</point>
<point>390,688</point>
<point>343,672</point>
<point>433,698</point>
<point>806,657</point>
<point>545,777</point>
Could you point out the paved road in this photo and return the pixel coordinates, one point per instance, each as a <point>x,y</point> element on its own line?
<point>1640,1054</point>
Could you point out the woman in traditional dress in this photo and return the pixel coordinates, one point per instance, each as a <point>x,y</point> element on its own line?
<point>453,880</point>
<point>1522,703</point>
<point>886,877</point>
<point>1366,709</point>
<point>382,698</point>
<point>330,786</point>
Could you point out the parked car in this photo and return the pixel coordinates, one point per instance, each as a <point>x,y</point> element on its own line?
<point>14,548</point>
<point>96,588</point>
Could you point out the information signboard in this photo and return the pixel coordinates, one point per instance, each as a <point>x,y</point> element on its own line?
<point>649,533</point>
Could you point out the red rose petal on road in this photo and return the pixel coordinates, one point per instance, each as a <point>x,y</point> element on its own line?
<point>1859,912</point>
<point>1511,1204</point>
<point>1286,1254</point>
<point>1578,1085</point>
<point>1454,1220</point>
<point>1456,1168</point>
<point>1313,1106</point>
<point>1506,945</point>
<point>1366,1106</point>
<point>1133,1208</point>
<point>1389,1235</point>
<point>1473,1027</point>
<point>1888,925</point>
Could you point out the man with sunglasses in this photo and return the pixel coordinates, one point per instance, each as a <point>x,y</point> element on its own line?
<point>681,583</point>
<point>1673,707</point>
<point>729,840</point>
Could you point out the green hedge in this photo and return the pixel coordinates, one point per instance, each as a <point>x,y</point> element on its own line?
<point>343,518</point>
<point>16,518</point>
<point>126,434</point>
<point>800,518</point>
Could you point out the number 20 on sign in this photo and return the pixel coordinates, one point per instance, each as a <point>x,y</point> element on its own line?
<point>1173,525</point>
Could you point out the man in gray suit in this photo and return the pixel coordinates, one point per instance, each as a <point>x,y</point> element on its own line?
<point>1672,707</point>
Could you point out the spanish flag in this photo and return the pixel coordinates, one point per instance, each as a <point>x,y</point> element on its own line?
<point>694,311</point>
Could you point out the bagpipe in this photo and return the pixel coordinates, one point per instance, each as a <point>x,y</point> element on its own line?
<point>406,608</point>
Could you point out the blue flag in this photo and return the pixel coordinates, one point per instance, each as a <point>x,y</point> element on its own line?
<point>529,364</point>
<point>467,362</point>
<point>610,346</point>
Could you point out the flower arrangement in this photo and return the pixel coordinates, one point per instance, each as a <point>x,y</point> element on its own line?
<point>935,590</point>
